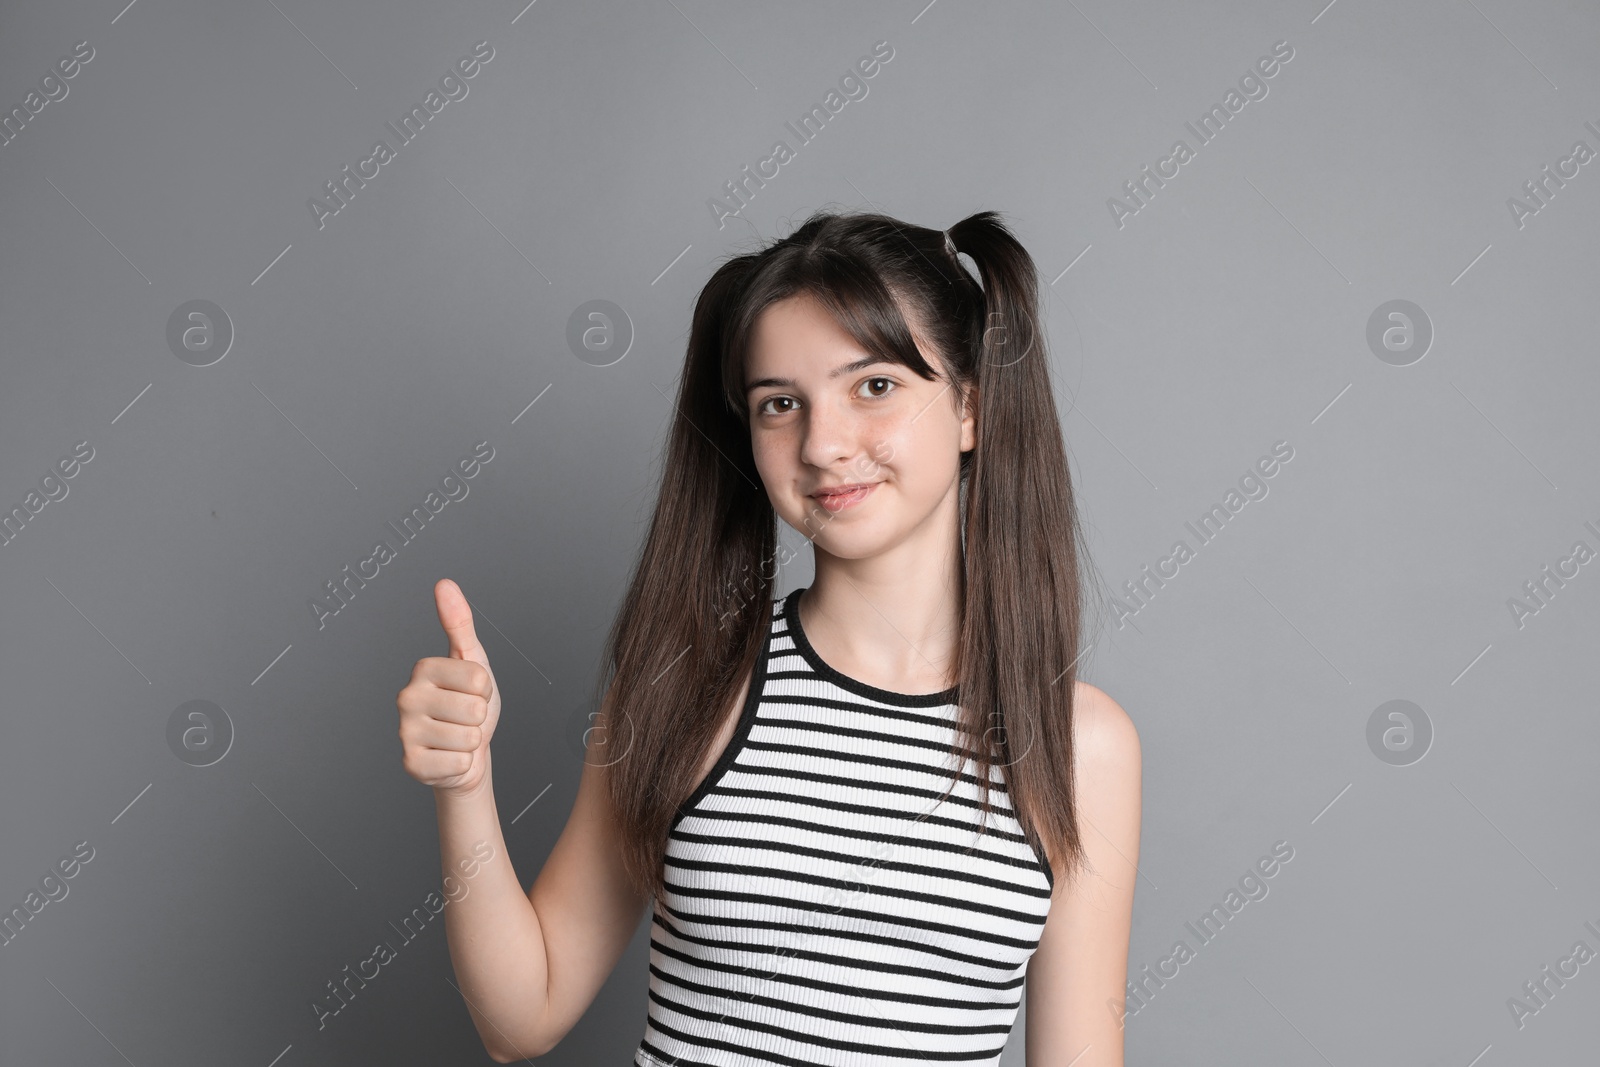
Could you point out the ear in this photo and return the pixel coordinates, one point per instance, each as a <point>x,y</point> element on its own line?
<point>969,418</point>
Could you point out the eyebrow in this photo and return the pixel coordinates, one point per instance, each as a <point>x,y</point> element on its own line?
<point>848,368</point>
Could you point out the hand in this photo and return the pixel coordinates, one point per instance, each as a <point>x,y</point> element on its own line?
<point>449,709</point>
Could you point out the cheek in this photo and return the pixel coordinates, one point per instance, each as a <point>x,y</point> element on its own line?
<point>891,439</point>
<point>920,453</point>
<point>775,462</point>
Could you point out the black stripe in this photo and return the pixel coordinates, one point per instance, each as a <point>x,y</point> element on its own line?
<point>861,913</point>
<point>749,997</point>
<point>670,1061</point>
<point>873,862</point>
<point>833,729</point>
<point>781,978</point>
<point>785,820</point>
<point>849,702</point>
<point>709,1042</point>
<point>864,889</point>
<point>874,761</point>
<point>794,773</point>
<point>864,885</point>
<point>1005,966</point>
<point>813,1039</point>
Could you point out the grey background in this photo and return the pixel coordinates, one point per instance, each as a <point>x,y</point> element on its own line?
<point>1230,313</point>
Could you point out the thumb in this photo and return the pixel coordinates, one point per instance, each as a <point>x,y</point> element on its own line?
<point>455,615</point>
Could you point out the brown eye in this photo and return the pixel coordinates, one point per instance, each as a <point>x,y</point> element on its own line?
<point>886,381</point>
<point>761,409</point>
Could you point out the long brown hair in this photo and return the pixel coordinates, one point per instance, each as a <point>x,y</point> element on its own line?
<point>700,601</point>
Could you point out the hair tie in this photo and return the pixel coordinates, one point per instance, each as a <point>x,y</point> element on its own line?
<point>950,249</point>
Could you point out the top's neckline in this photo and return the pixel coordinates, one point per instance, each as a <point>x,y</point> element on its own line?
<point>791,617</point>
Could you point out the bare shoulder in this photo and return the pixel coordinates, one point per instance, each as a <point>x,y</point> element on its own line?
<point>1107,773</point>
<point>1103,734</point>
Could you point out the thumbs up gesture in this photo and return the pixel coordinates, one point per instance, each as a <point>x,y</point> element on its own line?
<point>449,709</point>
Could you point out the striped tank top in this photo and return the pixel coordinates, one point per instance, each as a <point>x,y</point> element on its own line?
<point>810,917</point>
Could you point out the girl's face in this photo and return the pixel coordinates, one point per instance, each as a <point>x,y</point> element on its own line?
<point>825,414</point>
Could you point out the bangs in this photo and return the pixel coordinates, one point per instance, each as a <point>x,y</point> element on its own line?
<point>859,301</point>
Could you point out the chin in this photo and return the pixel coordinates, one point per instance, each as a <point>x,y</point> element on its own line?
<point>860,543</point>
<point>815,520</point>
<point>834,552</point>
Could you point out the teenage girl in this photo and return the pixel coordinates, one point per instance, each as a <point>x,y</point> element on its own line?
<point>862,812</point>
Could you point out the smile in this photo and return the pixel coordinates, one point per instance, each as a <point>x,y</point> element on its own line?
<point>836,502</point>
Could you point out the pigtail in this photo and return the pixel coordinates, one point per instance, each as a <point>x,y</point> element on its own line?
<point>1021,529</point>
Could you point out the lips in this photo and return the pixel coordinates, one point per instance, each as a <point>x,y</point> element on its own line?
<point>837,498</point>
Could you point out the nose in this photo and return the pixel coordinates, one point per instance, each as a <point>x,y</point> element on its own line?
<point>832,435</point>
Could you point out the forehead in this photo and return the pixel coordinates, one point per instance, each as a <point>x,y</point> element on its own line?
<point>798,329</point>
<point>798,337</point>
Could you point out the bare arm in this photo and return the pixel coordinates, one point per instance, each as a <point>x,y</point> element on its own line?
<point>1078,975</point>
<point>530,965</point>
